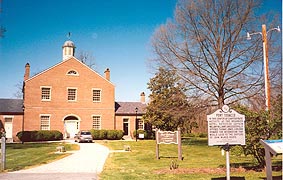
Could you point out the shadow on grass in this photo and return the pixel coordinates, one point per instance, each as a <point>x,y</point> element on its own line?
<point>249,166</point>
<point>26,145</point>
<point>194,141</point>
<point>231,178</point>
<point>274,178</point>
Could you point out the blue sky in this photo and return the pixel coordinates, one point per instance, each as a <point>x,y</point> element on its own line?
<point>116,32</point>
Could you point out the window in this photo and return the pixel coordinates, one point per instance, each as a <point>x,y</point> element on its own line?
<point>140,124</point>
<point>45,122</point>
<point>96,122</point>
<point>96,95</point>
<point>8,119</point>
<point>72,72</point>
<point>72,94</point>
<point>45,93</point>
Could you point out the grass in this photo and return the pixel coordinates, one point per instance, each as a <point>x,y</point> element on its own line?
<point>200,162</point>
<point>22,156</point>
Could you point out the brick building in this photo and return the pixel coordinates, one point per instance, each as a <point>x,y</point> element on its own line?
<point>69,97</point>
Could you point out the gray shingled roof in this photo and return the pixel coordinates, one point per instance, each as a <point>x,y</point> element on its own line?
<point>11,106</point>
<point>128,108</point>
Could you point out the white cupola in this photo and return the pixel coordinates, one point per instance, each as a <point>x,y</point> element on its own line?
<point>68,49</point>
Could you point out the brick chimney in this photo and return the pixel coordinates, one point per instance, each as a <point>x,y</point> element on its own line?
<point>27,71</point>
<point>107,74</point>
<point>142,97</point>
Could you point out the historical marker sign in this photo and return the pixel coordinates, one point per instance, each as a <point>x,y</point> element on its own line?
<point>226,126</point>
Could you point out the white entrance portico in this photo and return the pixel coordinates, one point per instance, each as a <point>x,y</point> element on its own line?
<point>71,126</point>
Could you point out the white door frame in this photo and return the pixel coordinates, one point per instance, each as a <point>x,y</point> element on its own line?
<point>8,125</point>
<point>75,121</point>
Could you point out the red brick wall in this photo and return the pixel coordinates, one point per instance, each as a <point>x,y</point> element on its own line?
<point>59,107</point>
<point>17,124</point>
<point>132,123</point>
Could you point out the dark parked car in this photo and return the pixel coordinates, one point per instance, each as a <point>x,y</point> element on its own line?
<point>83,136</point>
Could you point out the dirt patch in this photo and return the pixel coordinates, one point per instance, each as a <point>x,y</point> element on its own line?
<point>213,170</point>
<point>198,170</point>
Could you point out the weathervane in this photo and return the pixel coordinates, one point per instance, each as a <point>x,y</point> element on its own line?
<point>69,35</point>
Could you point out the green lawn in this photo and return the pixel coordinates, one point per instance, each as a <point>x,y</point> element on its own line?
<point>200,162</point>
<point>21,156</point>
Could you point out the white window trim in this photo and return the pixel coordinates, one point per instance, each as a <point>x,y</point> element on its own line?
<point>49,94</point>
<point>100,123</point>
<point>40,115</point>
<point>77,73</point>
<point>129,122</point>
<point>76,97</point>
<point>100,95</point>
<point>140,119</point>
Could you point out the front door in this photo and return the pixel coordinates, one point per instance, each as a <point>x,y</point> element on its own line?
<point>9,127</point>
<point>126,127</point>
<point>71,128</point>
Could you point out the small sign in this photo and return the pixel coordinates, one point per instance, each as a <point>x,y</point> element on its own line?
<point>274,146</point>
<point>141,136</point>
<point>271,147</point>
<point>226,126</point>
<point>167,137</point>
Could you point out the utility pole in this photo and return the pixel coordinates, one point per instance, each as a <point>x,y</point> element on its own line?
<point>266,72</point>
<point>265,62</point>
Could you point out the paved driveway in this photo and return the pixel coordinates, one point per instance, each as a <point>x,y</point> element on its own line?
<point>84,164</point>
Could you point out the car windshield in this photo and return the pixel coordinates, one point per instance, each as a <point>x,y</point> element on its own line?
<point>85,133</point>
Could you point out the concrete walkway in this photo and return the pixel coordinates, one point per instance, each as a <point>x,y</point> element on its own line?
<point>86,164</point>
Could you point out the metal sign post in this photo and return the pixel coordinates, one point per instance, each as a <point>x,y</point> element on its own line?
<point>3,153</point>
<point>227,150</point>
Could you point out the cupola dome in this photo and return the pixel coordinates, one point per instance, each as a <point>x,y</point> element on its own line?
<point>68,49</point>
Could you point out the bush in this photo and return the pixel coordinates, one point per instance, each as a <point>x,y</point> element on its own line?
<point>95,134</point>
<point>120,134</point>
<point>261,125</point>
<point>202,135</point>
<point>42,135</point>
<point>103,134</point>
<point>107,134</point>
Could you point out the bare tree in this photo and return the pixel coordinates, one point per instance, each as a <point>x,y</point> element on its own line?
<point>206,45</point>
<point>87,58</point>
<point>19,90</point>
<point>2,29</point>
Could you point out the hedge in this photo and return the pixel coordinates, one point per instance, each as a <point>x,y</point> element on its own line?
<point>107,134</point>
<point>42,135</point>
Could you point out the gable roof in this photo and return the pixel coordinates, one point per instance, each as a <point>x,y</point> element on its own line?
<point>58,64</point>
<point>11,106</point>
<point>128,108</point>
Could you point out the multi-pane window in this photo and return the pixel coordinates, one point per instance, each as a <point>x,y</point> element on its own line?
<point>72,94</point>
<point>96,95</point>
<point>8,119</point>
<point>140,124</point>
<point>45,93</point>
<point>44,122</point>
<point>96,122</point>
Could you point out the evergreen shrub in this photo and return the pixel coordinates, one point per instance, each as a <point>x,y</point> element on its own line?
<point>106,134</point>
<point>42,135</point>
